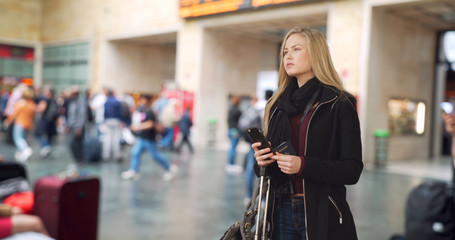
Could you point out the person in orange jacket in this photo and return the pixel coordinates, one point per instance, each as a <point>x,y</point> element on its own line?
<point>23,116</point>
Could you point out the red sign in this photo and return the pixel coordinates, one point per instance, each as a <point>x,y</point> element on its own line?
<point>7,51</point>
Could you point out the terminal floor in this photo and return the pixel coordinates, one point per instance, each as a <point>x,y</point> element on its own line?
<point>203,201</point>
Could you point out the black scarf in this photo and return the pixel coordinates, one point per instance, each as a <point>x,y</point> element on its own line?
<point>292,102</point>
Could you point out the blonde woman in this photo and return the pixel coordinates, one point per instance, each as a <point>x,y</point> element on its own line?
<point>23,116</point>
<point>318,118</point>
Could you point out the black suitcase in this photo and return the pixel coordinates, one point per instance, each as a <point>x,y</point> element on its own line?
<point>91,150</point>
<point>11,169</point>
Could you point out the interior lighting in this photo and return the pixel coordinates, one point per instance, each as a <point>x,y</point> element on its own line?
<point>420,122</point>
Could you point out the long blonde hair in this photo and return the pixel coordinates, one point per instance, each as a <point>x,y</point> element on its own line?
<point>321,64</point>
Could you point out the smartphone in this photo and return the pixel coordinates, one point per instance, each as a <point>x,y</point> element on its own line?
<point>446,107</point>
<point>257,136</point>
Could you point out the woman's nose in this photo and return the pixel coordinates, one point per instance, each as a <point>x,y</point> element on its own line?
<point>289,56</point>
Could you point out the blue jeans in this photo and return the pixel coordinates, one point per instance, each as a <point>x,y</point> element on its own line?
<point>19,135</point>
<point>43,142</point>
<point>250,175</point>
<point>140,145</point>
<point>168,136</point>
<point>289,219</point>
<point>234,136</point>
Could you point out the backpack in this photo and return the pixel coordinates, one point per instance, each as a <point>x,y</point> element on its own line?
<point>250,118</point>
<point>430,212</point>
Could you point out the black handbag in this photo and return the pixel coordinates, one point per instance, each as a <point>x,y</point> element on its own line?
<point>246,228</point>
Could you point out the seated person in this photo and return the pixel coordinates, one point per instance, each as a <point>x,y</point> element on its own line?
<point>12,221</point>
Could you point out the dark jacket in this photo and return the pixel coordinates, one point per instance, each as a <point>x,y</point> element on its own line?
<point>332,160</point>
<point>234,116</point>
<point>185,124</point>
<point>113,109</point>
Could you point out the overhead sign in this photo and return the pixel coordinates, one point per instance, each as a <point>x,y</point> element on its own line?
<point>198,8</point>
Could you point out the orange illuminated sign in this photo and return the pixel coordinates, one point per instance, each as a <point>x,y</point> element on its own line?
<point>27,81</point>
<point>198,8</point>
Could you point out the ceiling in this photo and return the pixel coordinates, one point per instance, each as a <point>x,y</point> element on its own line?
<point>272,30</point>
<point>436,15</point>
<point>163,39</point>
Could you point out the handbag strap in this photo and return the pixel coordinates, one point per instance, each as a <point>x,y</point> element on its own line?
<point>253,203</point>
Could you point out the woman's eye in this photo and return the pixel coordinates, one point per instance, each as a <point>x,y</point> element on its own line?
<point>296,49</point>
<point>285,52</point>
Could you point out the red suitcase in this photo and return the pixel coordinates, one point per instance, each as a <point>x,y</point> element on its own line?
<point>68,207</point>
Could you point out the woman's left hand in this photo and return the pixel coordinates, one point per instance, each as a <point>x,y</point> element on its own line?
<point>288,164</point>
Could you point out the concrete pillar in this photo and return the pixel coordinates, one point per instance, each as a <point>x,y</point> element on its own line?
<point>188,71</point>
<point>344,28</point>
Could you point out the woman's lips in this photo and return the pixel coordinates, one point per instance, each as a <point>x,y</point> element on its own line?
<point>288,65</point>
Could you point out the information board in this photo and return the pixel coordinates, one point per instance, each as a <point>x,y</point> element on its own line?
<point>198,8</point>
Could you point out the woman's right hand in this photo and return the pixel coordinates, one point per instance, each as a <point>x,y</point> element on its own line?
<point>262,155</point>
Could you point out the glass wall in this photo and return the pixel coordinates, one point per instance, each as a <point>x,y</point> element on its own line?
<point>66,65</point>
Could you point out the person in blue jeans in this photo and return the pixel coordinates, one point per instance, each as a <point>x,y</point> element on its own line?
<point>143,126</point>
<point>47,125</point>
<point>233,134</point>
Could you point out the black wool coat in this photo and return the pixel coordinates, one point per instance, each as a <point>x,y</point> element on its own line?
<point>333,159</point>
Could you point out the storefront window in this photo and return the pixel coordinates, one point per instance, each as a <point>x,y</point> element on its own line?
<point>406,117</point>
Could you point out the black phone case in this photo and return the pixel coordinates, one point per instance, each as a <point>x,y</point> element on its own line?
<point>257,136</point>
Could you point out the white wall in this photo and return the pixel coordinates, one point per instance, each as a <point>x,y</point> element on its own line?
<point>135,68</point>
<point>401,65</point>
<point>229,66</point>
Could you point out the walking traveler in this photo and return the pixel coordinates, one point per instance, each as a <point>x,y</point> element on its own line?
<point>112,127</point>
<point>168,119</point>
<point>23,117</point>
<point>313,112</point>
<point>143,126</point>
<point>233,134</point>
<point>77,117</point>
<point>47,125</point>
<point>185,124</point>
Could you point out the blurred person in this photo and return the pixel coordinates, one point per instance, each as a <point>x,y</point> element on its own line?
<point>75,123</point>
<point>233,134</point>
<point>112,127</point>
<point>15,96</point>
<point>13,220</point>
<point>3,101</point>
<point>143,124</point>
<point>250,118</point>
<point>65,99</point>
<point>38,95</point>
<point>97,106</point>
<point>168,118</point>
<point>449,125</point>
<point>23,117</point>
<point>127,102</point>
<point>261,104</point>
<point>313,113</point>
<point>88,99</point>
<point>185,124</point>
<point>47,124</point>
<point>159,104</point>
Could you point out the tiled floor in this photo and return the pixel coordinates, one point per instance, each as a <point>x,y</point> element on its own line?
<point>203,201</point>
